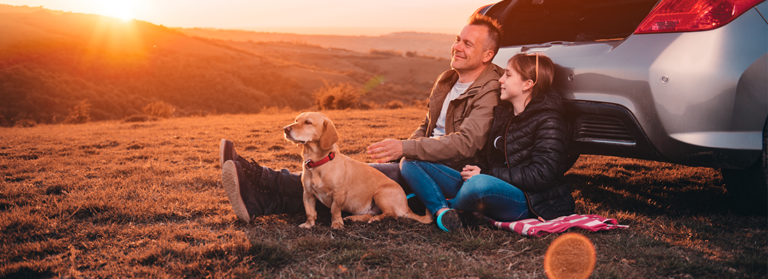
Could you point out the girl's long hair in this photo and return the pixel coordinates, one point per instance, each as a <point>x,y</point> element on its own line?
<point>536,67</point>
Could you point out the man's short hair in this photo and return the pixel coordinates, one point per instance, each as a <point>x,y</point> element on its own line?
<point>494,30</point>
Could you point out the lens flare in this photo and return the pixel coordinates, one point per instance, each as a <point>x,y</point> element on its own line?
<point>571,255</point>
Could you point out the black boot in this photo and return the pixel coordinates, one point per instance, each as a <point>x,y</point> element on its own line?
<point>226,152</point>
<point>236,187</point>
<point>253,172</point>
<point>248,201</point>
<point>254,190</point>
<point>271,198</point>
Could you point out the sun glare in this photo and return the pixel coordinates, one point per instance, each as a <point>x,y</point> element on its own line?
<point>121,9</point>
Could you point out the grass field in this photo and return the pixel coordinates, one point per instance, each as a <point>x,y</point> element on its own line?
<point>112,199</point>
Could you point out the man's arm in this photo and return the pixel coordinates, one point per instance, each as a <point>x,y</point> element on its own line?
<point>386,150</point>
<point>392,149</point>
<point>421,131</point>
<point>468,140</point>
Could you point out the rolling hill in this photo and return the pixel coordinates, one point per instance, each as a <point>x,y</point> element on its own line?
<point>436,45</point>
<point>51,61</point>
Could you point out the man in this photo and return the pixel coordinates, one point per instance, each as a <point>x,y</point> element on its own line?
<point>453,133</point>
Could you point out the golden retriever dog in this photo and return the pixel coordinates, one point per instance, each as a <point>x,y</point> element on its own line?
<point>340,182</point>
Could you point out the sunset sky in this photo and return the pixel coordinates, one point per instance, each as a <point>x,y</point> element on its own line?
<point>343,17</point>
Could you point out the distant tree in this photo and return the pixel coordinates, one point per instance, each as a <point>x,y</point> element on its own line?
<point>80,113</point>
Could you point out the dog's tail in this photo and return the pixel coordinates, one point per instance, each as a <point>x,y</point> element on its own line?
<point>426,219</point>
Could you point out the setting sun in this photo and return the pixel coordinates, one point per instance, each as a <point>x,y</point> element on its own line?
<point>121,9</point>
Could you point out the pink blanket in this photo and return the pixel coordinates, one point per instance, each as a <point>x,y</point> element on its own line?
<point>535,227</point>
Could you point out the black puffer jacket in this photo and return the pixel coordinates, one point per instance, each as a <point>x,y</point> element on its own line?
<point>535,143</point>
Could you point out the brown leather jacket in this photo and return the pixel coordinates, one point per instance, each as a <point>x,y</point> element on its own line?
<point>467,121</point>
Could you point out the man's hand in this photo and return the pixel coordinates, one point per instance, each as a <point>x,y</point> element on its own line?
<point>469,171</point>
<point>386,150</point>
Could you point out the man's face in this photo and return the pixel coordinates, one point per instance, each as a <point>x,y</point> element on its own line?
<point>468,52</point>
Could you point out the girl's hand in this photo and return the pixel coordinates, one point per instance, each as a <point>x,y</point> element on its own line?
<point>469,171</point>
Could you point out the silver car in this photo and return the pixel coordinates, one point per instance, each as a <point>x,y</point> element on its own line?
<point>681,81</point>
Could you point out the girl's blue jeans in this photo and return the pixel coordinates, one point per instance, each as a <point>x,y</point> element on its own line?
<point>439,186</point>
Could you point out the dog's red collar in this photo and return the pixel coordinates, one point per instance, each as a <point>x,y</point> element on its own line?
<point>311,165</point>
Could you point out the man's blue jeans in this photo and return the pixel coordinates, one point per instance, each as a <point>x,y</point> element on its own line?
<point>440,186</point>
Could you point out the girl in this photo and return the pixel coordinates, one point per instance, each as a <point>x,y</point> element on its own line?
<point>523,174</point>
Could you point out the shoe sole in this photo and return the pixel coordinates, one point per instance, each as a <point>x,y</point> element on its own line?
<point>449,221</point>
<point>222,149</point>
<point>231,184</point>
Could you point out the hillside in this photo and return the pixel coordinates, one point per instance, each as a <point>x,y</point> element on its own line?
<point>436,45</point>
<point>51,61</point>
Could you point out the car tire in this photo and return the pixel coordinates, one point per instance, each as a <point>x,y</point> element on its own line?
<point>748,188</point>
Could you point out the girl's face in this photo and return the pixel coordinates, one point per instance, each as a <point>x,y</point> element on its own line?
<point>512,84</point>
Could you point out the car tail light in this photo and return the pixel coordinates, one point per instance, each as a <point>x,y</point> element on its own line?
<point>692,15</point>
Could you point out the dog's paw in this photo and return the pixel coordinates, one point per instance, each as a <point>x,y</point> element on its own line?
<point>337,226</point>
<point>306,225</point>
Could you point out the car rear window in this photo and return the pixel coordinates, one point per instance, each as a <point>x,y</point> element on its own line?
<point>540,21</point>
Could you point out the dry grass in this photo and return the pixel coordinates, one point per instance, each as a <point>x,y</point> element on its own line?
<point>113,199</point>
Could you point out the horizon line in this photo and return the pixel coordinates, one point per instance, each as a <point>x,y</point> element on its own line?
<point>327,31</point>
<point>323,31</point>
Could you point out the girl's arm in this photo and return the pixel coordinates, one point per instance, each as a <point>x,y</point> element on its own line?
<point>469,171</point>
<point>549,152</point>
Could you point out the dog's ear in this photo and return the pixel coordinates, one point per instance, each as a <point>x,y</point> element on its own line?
<point>329,136</point>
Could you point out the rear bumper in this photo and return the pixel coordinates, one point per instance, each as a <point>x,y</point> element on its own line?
<point>612,130</point>
<point>607,129</point>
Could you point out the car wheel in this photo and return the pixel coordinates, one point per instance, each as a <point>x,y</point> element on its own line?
<point>748,188</point>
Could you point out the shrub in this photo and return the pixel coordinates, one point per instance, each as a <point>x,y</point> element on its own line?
<point>387,52</point>
<point>337,96</point>
<point>395,104</point>
<point>24,123</point>
<point>421,103</point>
<point>368,105</point>
<point>159,109</point>
<point>80,113</point>
<point>411,54</point>
<point>137,118</point>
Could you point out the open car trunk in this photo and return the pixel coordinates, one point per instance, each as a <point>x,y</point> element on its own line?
<point>528,22</point>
